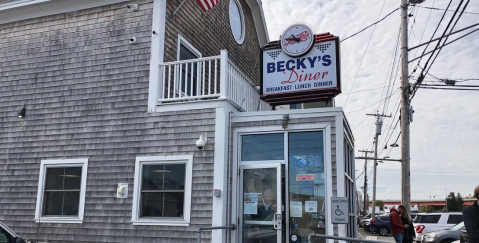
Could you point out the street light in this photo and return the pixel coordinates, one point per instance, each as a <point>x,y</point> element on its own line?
<point>394,145</point>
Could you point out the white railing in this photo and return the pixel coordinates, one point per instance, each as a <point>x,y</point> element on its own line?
<point>209,78</point>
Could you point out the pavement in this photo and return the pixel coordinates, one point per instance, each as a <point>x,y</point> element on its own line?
<point>363,234</point>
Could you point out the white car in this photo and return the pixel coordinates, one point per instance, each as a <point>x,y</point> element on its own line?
<point>428,222</point>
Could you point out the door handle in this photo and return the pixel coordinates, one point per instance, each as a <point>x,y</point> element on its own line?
<point>278,221</point>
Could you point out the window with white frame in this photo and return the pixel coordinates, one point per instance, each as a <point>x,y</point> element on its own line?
<point>162,190</point>
<point>237,21</point>
<point>61,191</point>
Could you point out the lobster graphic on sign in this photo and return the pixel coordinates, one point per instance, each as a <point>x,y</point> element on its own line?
<point>301,37</point>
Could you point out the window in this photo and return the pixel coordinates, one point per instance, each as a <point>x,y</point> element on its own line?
<point>454,219</point>
<point>162,190</point>
<point>237,21</point>
<point>262,147</point>
<point>189,71</point>
<point>428,218</point>
<point>61,191</point>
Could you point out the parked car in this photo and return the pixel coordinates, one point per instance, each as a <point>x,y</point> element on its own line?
<point>429,222</point>
<point>367,225</point>
<point>444,236</point>
<point>464,238</point>
<point>363,221</point>
<point>381,225</point>
<point>9,236</point>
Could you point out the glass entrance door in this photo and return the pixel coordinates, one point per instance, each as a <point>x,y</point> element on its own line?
<point>261,203</point>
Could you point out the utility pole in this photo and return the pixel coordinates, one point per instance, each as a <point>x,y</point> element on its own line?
<point>379,124</point>
<point>405,145</point>
<point>365,179</point>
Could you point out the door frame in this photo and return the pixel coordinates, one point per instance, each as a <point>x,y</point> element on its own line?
<point>279,201</point>
<point>238,132</point>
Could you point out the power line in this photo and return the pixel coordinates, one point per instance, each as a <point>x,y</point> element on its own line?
<point>364,55</point>
<point>419,81</point>
<point>444,9</point>
<point>372,24</point>
<point>374,103</point>
<point>423,31</point>
<point>422,87</point>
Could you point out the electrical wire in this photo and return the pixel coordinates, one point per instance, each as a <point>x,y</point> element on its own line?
<point>372,24</point>
<point>444,9</point>
<point>364,55</point>
<point>448,88</point>
<point>374,103</point>
<point>423,31</point>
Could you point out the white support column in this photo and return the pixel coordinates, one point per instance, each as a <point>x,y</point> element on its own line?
<point>340,169</point>
<point>220,173</point>
<point>224,74</point>
<point>157,53</point>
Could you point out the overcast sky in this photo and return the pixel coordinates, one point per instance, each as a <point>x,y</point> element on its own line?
<point>444,133</point>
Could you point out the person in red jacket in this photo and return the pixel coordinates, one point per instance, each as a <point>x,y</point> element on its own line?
<point>396,225</point>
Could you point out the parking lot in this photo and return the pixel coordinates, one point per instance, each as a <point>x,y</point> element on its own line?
<point>363,234</point>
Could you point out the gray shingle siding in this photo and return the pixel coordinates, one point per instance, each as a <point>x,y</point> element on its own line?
<point>86,90</point>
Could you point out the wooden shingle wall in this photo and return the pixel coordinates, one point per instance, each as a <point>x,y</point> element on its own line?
<point>210,32</point>
<point>85,90</point>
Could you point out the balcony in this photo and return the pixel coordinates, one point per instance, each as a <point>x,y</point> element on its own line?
<point>208,78</point>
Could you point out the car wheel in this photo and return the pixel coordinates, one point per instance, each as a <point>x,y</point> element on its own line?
<point>383,231</point>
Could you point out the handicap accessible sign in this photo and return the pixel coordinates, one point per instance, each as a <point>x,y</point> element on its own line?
<point>339,210</point>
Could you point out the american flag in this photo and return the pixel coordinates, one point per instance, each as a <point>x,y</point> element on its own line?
<point>207,4</point>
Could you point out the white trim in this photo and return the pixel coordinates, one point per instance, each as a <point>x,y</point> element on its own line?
<point>157,53</point>
<point>259,21</point>
<point>185,159</point>
<point>192,105</point>
<point>20,3</point>
<point>220,174</point>
<point>21,10</point>
<point>243,28</point>
<point>328,170</point>
<point>340,168</point>
<point>293,114</point>
<point>188,45</point>
<point>41,186</point>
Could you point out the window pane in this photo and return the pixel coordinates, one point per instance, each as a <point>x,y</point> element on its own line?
<point>72,178</point>
<point>454,219</point>
<point>61,203</point>
<point>173,204</point>
<point>54,178</point>
<point>174,177</point>
<point>153,177</point>
<point>151,204</point>
<point>63,178</point>
<point>306,183</point>
<point>263,147</point>
<point>236,21</point>
<point>70,203</point>
<point>428,218</point>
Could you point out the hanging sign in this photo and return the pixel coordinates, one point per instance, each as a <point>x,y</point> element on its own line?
<point>301,67</point>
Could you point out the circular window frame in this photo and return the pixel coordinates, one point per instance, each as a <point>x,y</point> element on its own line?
<point>243,29</point>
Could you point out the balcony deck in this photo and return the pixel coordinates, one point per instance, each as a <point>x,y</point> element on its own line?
<point>209,78</point>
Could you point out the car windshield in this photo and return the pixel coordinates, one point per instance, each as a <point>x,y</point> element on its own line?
<point>458,226</point>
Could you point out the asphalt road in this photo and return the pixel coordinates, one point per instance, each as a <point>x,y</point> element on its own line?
<point>362,234</point>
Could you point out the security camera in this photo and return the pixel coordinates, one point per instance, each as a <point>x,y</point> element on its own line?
<point>133,7</point>
<point>200,143</point>
<point>132,40</point>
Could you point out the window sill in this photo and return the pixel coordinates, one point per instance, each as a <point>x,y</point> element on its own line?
<point>60,220</point>
<point>161,222</point>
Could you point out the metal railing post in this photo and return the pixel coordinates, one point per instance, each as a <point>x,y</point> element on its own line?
<point>224,74</point>
<point>232,227</point>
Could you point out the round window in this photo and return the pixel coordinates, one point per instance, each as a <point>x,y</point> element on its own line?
<point>236,21</point>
